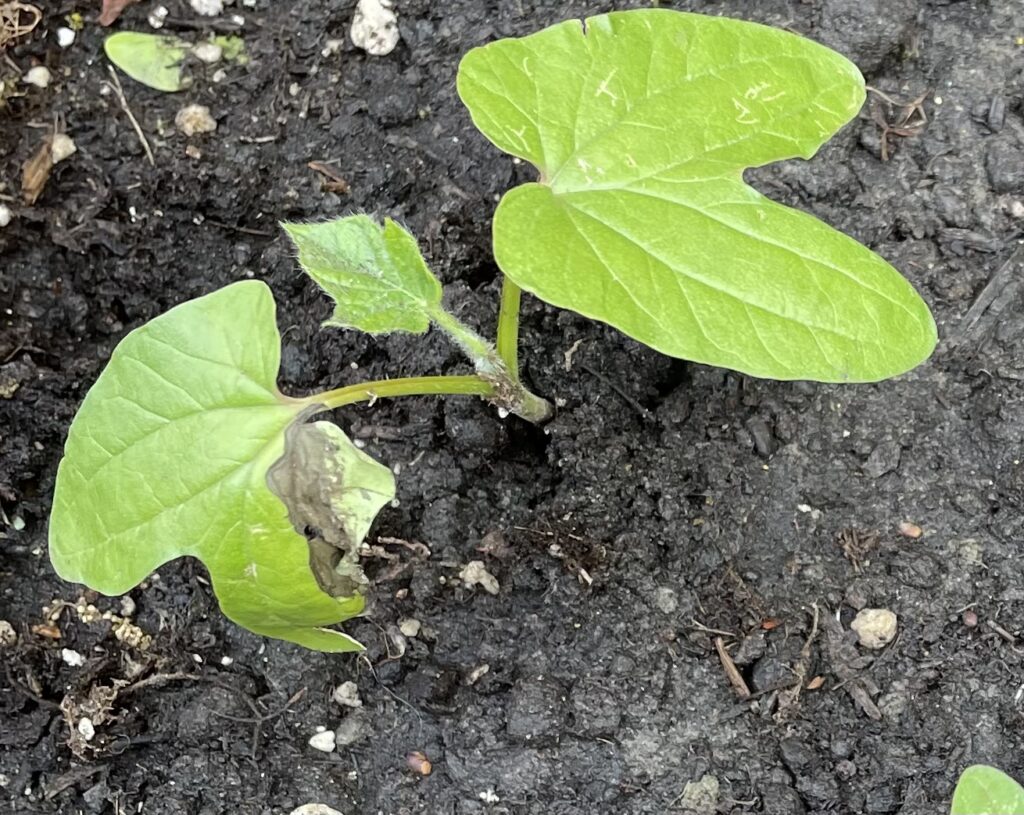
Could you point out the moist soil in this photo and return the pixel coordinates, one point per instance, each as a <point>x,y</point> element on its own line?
<point>666,506</point>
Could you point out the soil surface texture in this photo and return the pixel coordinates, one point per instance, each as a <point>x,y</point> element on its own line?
<point>667,507</point>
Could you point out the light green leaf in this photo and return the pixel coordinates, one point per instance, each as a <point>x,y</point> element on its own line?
<point>376,275</point>
<point>985,790</point>
<point>169,456</point>
<point>151,59</point>
<point>641,124</point>
<point>232,48</point>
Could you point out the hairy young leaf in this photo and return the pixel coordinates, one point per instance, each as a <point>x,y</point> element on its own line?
<point>151,59</point>
<point>169,455</point>
<point>376,275</point>
<point>985,790</point>
<point>641,124</point>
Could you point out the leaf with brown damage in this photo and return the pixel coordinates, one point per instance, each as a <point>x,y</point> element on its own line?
<point>333,491</point>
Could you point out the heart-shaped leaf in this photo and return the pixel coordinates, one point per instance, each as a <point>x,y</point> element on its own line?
<point>641,124</point>
<point>169,455</point>
<point>985,790</point>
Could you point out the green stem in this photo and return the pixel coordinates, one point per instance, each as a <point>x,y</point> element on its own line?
<point>508,324</point>
<point>492,367</point>
<point>409,386</point>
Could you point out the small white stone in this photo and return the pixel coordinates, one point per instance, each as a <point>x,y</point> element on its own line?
<point>375,27</point>
<point>62,147</point>
<point>476,574</point>
<point>157,16</point>
<point>72,658</point>
<point>8,636</point>
<point>193,119</point>
<point>1017,209</point>
<point>323,741</point>
<point>38,75</point>
<point>410,626</point>
<point>347,695</point>
<point>6,216</point>
<point>207,8</point>
<point>489,796</point>
<point>208,52</point>
<point>227,661</point>
<point>875,627</point>
<point>65,37</point>
<point>332,47</point>
<point>86,729</point>
<point>127,606</point>
<point>314,809</point>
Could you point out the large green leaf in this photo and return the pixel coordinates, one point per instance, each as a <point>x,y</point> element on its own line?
<point>641,124</point>
<point>985,790</point>
<point>376,275</point>
<point>169,456</point>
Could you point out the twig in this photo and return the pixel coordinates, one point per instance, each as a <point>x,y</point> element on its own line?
<point>1002,632</point>
<point>732,673</point>
<point>115,86</point>
<point>633,403</point>
<point>247,230</point>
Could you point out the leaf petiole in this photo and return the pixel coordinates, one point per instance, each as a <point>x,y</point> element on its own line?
<point>508,324</point>
<point>408,386</point>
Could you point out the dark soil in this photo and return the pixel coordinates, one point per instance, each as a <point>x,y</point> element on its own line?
<point>666,502</point>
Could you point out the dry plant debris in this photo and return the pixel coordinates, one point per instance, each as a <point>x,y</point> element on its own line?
<point>17,20</point>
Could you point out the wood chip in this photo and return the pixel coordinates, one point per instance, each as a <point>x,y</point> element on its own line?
<point>36,172</point>
<point>731,671</point>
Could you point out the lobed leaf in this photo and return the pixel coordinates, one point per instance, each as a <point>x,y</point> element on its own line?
<point>641,124</point>
<point>984,790</point>
<point>375,274</point>
<point>169,455</point>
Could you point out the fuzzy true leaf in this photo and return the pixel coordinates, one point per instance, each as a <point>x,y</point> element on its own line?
<point>375,274</point>
<point>985,790</point>
<point>641,124</point>
<point>152,59</point>
<point>169,456</point>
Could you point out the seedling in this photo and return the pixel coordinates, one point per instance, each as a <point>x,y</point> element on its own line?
<point>640,125</point>
<point>985,790</point>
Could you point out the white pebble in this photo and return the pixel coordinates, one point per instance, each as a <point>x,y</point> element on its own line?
<point>207,8</point>
<point>1017,209</point>
<point>875,627</point>
<point>157,16</point>
<point>410,627</point>
<point>322,741</point>
<point>72,658</point>
<point>65,37</point>
<point>227,661</point>
<point>8,636</point>
<point>332,47</point>
<point>38,75</point>
<point>127,606</point>
<point>208,52</point>
<point>62,147</point>
<point>375,27</point>
<point>6,216</point>
<point>193,119</point>
<point>347,695</point>
<point>476,574</point>
<point>314,809</point>
<point>86,729</point>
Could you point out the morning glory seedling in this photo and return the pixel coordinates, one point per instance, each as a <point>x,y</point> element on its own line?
<point>640,125</point>
<point>984,790</point>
